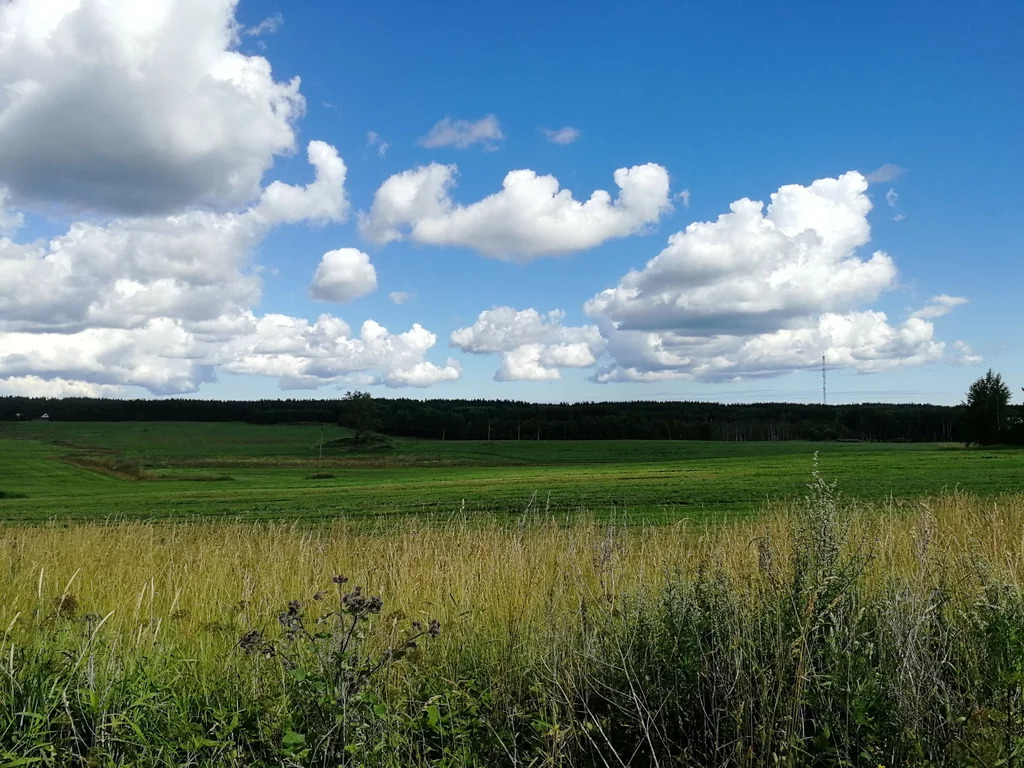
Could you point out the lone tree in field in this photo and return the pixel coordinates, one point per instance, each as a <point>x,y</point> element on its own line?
<point>358,414</point>
<point>987,410</point>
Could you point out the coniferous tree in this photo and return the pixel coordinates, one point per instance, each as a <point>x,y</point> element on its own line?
<point>987,413</point>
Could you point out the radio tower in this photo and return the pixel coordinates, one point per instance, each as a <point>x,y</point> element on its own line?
<point>824,400</point>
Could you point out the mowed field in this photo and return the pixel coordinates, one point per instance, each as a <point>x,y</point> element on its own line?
<point>173,470</point>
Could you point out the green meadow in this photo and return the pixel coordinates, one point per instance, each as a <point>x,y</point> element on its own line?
<point>237,595</point>
<point>136,470</point>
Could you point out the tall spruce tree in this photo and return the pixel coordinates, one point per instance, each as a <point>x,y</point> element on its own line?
<point>987,410</point>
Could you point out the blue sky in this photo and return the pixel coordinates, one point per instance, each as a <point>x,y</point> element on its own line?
<point>148,253</point>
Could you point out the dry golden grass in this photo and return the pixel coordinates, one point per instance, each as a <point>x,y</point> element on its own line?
<point>858,634</point>
<point>508,581</point>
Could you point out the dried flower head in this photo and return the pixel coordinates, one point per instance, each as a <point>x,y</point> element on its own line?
<point>65,606</point>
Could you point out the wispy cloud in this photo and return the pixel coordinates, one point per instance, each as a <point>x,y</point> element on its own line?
<point>565,135</point>
<point>892,197</point>
<point>939,305</point>
<point>373,139</point>
<point>268,26</point>
<point>463,133</point>
<point>683,196</point>
<point>885,172</point>
<point>399,297</point>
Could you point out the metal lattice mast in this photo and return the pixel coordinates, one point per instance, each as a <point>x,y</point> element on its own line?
<point>824,400</point>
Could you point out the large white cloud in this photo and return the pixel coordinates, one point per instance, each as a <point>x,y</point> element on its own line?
<point>160,356</point>
<point>136,107</point>
<point>533,346</point>
<point>862,341</point>
<point>753,270</point>
<point>34,386</point>
<point>301,354</point>
<point>171,356</point>
<point>531,216</point>
<point>146,117</point>
<point>164,302</point>
<point>192,265</point>
<point>762,291</point>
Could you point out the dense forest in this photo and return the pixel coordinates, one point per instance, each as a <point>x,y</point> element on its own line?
<point>514,420</point>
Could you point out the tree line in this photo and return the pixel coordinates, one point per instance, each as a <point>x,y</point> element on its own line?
<point>515,420</point>
<point>986,417</point>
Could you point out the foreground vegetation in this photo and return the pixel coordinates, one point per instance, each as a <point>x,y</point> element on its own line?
<point>821,633</point>
<point>140,470</point>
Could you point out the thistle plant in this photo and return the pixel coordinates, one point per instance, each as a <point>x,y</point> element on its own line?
<point>331,660</point>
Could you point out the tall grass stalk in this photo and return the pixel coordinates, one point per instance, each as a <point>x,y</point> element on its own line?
<point>827,633</point>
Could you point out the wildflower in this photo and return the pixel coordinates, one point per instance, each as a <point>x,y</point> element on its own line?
<point>250,641</point>
<point>435,628</point>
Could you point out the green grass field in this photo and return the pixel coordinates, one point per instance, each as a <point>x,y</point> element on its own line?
<point>808,631</point>
<point>161,470</point>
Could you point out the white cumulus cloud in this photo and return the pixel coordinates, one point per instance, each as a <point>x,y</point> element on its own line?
<point>343,275</point>
<point>320,201</point>
<point>861,341</point>
<point>533,346</point>
<point>163,302</point>
<point>761,291</point>
<point>161,356</point>
<point>193,265</point>
<point>34,386</point>
<point>171,356</point>
<point>304,355</point>
<point>531,216</point>
<point>463,133</point>
<point>144,115</point>
<point>753,270</point>
<point>135,107</point>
